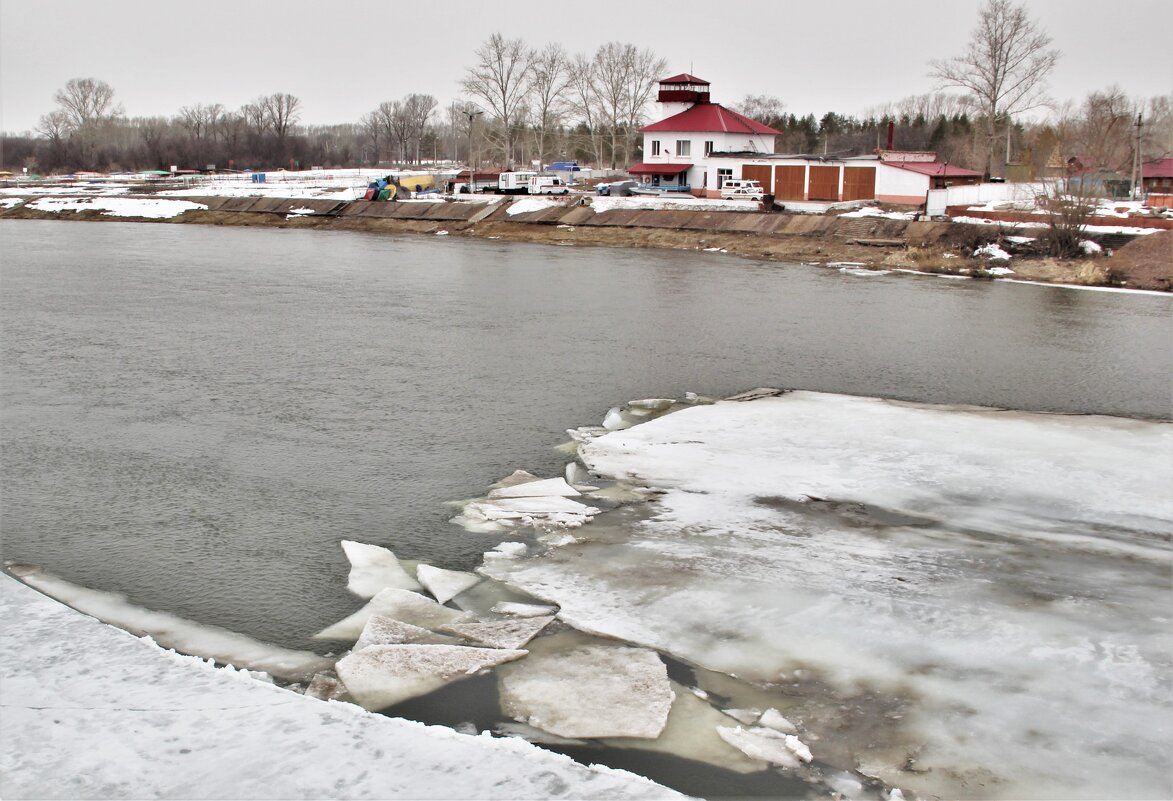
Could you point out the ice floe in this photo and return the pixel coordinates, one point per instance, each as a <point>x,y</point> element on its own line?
<point>692,733</point>
<point>380,630</point>
<point>500,633</point>
<point>579,690</point>
<point>1003,575</point>
<point>444,585</point>
<point>402,605</point>
<point>380,676</point>
<point>373,569</point>
<point>531,489</point>
<point>758,743</point>
<point>524,610</point>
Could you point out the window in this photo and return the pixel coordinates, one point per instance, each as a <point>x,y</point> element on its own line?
<point>709,148</point>
<point>655,147</point>
<point>683,147</point>
<point>724,174</point>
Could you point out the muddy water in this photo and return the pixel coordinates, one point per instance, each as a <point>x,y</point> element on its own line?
<point>194,417</point>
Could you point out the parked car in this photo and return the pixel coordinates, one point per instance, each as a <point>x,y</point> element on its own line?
<point>547,185</point>
<point>744,189</point>
<point>617,188</point>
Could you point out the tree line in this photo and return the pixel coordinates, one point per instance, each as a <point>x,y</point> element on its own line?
<point>521,104</point>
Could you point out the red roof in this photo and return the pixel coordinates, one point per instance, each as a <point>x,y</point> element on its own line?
<point>710,117</point>
<point>931,168</point>
<point>657,169</point>
<point>683,77</point>
<point>1158,169</point>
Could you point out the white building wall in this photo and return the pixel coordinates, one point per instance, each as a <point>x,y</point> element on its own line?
<point>895,185</point>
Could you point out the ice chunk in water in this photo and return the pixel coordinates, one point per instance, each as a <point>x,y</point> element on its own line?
<point>445,585</point>
<point>532,489</point>
<point>524,610</point>
<point>500,633</point>
<point>515,478</point>
<point>764,744</point>
<point>577,690</point>
<point>615,420</point>
<point>772,719</point>
<point>381,630</point>
<point>325,688</point>
<point>747,716</point>
<point>408,607</point>
<point>798,747</point>
<point>652,404</point>
<point>517,508</point>
<point>691,732</point>
<point>373,568</point>
<point>384,675</point>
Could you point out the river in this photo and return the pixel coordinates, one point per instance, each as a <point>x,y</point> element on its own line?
<point>195,416</point>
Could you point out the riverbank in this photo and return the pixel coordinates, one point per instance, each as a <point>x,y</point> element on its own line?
<point>866,244</point>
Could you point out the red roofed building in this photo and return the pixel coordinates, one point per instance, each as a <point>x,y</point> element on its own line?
<point>691,128</point>
<point>1157,176</point>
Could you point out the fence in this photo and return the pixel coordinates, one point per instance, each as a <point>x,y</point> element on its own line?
<point>977,194</point>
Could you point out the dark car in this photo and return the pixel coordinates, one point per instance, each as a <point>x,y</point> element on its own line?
<point>617,189</point>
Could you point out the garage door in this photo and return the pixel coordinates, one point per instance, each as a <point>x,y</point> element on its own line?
<point>824,183</point>
<point>790,183</point>
<point>859,183</point>
<point>759,173</point>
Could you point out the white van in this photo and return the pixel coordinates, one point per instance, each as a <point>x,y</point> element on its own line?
<point>514,183</point>
<point>742,188</point>
<point>547,185</point>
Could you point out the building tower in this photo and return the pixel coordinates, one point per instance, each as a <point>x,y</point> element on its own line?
<point>680,93</point>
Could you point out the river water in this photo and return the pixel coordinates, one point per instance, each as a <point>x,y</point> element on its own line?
<point>195,416</point>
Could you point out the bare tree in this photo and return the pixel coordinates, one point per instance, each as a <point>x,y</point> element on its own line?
<point>399,126</point>
<point>584,94</point>
<point>1004,68</point>
<point>87,102</point>
<point>282,111</point>
<point>499,79</point>
<point>418,110</point>
<point>548,80</point>
<point>645,70</point>
<point>766,109</point>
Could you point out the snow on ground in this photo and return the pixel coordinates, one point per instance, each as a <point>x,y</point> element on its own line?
<point>682,203</point>
<point>148,207</point>
<point>874,211</point>
<point>999,578</point>
<point>63,189</point>
<point>991,251</point>
<point>526,205</point>
<point>1087,229</point>
<point>9,202</point>
<point>93,712</point>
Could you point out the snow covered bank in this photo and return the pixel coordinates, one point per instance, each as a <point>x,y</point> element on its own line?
<point>964,601</point>
<point>151,208</point>
<point>92,712</point>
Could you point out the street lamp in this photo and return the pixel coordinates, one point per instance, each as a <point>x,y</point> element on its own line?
<point>472,180</point>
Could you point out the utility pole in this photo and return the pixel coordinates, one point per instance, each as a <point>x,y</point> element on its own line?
<point>472,179</point>
<point>1136,159</point>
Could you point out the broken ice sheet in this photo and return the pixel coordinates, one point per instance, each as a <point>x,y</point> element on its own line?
<point>534,489</point>
<point>1030,597</point>
<point>384,675</point>
<point>409,607</point>
<point>500,633</point>
<point>523,610</point>
<point>373,568</point>
<point>758,743</point>
<point>582,689</point>
<point>444,585</point>
<point>691,733</point>
<point>381,630</point>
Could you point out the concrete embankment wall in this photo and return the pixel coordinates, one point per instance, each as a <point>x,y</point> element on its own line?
<point>576,213</point>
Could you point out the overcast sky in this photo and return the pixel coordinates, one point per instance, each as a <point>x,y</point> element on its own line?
<point>344,58</point>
